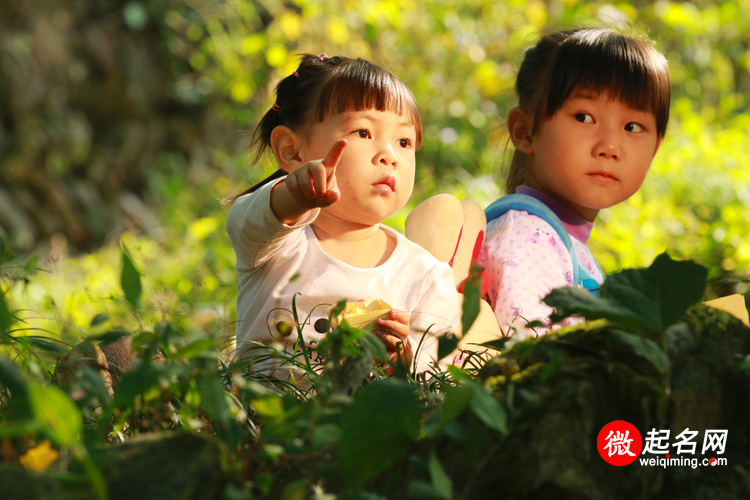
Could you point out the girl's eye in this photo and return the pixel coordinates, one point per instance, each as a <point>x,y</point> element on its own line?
<point>633,127</point>
<point>363,133</point>
<point>584,118</point>
<point>404,143</point>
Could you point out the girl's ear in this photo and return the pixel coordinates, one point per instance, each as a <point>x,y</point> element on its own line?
<point>519,128</point>
<point>285,144</point>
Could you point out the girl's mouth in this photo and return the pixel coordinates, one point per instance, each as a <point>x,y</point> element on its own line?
<point>386,185</point>
<point>603,176</point>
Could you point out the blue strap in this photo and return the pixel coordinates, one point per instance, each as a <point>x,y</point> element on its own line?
<point>532,206</point>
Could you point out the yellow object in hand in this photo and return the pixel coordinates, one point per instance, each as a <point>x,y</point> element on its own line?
<point>361,314</point>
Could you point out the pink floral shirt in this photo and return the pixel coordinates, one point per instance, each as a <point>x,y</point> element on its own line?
<point>526,259</point>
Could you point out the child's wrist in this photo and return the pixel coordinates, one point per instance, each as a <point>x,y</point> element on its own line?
<point>284,206</point>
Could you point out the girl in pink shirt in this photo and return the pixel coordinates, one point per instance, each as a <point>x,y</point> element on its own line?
<point>593,109</point>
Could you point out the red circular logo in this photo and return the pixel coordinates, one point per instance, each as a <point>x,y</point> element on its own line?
<point>619,443</point>
<point>712,462</point>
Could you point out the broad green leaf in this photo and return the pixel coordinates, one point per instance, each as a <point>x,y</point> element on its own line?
<point>571,301</point>
<point>644,347</point>
<point>652,298</point>
<point>488,409</point>
<point>377,429</point>
<point>661,293</point>
<point>130,279</point>
<point>440,480</point>
<point>57,411</point>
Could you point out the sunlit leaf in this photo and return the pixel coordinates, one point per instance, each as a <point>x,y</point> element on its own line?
<point>57,411</point>
<point>651,298</point>
<point>130,279</point>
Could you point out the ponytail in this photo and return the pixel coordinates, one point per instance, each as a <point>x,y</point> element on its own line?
<point>517,172</point>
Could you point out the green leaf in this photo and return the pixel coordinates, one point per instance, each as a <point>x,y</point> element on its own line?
<point>51,406</point>
<point>457,398</point>
<point>325,435</point>
<point>377,429</point>
<point>646,348</point>
<point>137,382</point>
<point>447,344</point>
<point>6,318</point>
<point>216,405</point>
<point>440,480</point>
<point>372,343</point>
<point>572,300</point>
<point>745,366</point>
<point>99,319</point>
<point>109,337</point>
<point>195,348</point>
<point>488,409</point>
<point>130,279</point>
<point>652,298</point>
<point>12,378</point>
<point>497,345</point>
<point>422,489</point>
<point>471,299</point>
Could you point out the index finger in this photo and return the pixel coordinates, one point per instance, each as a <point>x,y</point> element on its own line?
<point>334,155</point>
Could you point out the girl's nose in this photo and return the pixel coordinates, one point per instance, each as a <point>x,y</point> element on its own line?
<point>386,156</point>
<point>607,147</point>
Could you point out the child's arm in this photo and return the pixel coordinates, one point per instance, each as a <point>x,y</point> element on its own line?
<point>313,185</point>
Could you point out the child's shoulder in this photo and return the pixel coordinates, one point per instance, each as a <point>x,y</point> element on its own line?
<point>518,222</point>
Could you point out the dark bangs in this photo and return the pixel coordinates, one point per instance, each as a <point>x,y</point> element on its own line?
<point>605,62</point>
<point>360,86</point>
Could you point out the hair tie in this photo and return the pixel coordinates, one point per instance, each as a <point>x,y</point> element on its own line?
<point>323,56</point>
<point>296,74</point>
<point>276,106</point>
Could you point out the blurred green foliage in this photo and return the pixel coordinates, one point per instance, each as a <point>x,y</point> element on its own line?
<point>459,58</point>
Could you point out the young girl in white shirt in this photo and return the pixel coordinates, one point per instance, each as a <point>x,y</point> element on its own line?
<point>593,109</point>
<point>344,133</point>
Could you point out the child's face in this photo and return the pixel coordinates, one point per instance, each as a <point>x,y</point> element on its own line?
<point>592,154</point>
<point>376,172</point>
